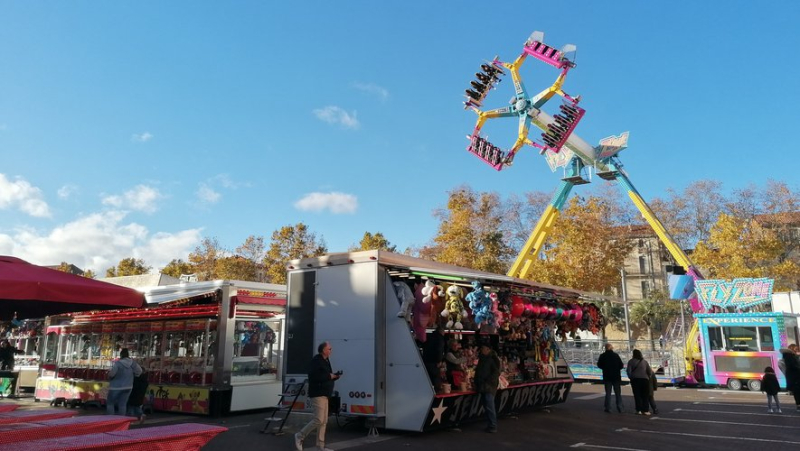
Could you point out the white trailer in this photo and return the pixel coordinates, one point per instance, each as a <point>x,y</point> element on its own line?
<point>348,300</point>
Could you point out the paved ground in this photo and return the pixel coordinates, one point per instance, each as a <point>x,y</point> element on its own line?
<point>707,419</point>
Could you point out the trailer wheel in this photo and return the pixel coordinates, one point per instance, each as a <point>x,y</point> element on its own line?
<point>734,384</point>
<point>754,385</point>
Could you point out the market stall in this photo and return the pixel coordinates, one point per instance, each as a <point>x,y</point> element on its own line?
<point>208,348</point>
<point>30,292</point>
<point>377,309</point>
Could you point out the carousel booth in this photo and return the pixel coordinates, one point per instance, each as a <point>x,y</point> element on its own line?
<point>25,336</point>
<point>207,347</point>
<point>377,309</point>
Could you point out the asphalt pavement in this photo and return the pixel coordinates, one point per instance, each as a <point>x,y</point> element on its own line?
<point>707,419</point>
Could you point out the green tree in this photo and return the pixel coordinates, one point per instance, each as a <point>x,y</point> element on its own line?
<point>128,267</point>
<point>653,312</point>
<point>204,258</point>
<point>177,267</point>
<point>471,232</point>
<point>236,268</point>
<point>288,243</point>
<point>614,314</point>
<point>373,242</point>
<point>744,248</point>
<point>582,250</point>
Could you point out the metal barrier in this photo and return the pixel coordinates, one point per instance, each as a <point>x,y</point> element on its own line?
<point>667,361</point>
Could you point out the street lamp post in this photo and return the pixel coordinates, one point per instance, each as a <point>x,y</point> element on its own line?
<point>625,301</point>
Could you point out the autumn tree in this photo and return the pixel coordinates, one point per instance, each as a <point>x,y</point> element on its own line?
<point>373,242</point>
<point>583,250</point>
<point>68,268</point>
<point>89,274</point>
<point>204,258</point>
<point>177,267</point>
<point>471,232</point>
<point>744,248</point>
<point>288,243</point>
<point>253,249</point>
<point>236,268</point>
<point>128,267</point>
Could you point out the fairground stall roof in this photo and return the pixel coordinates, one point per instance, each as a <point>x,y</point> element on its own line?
<point>35,291</point>
<point>404,266</point>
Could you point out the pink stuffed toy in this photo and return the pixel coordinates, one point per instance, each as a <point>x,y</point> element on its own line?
<point>421,311</point>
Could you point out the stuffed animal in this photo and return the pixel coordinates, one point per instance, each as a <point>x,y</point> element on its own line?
<point>406,298</point>
<point>421,312</point>
<point>454,308</point>
<point>437,305</point>
<point>481,305</point>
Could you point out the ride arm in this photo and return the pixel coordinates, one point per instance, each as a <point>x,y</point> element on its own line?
<point>522,265</point>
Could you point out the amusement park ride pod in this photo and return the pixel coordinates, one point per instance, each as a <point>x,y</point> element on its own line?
<point>562,148</point>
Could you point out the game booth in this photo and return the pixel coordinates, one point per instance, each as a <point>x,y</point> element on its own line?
<point>737,341</point>
<point>208,348</point>
<point>30,292</point>
<point>377,309</point>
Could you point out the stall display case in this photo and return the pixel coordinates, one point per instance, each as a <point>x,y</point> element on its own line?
<point>197,351</point>
<point>25,335</point>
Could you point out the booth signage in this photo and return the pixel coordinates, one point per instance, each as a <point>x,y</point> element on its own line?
<point>451,410</point>
<point>738,293</point>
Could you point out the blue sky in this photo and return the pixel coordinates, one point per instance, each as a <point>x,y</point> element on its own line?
<point>138,128</point>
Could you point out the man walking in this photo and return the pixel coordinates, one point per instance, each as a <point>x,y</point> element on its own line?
<point>320,388</point>
<point>611,364</point>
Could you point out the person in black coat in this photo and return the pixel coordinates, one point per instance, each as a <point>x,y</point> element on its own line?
<point>136,398</point>
<point>771,386</point>
<point>792,372</point>
<point>611,364</point>
<point>320,388</point>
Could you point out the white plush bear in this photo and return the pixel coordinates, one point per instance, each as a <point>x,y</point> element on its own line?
<point>406,298</point>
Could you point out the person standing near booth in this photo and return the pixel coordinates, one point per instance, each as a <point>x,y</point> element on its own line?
<point>487,377</point>
<point>7,353</point>
<point>320,388</point>
<point>612,366</point>
<point>639,372</point>
<point>121,383</point>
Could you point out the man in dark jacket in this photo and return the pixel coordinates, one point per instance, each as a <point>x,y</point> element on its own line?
<point>320,388</point>
<point>611,365</point>
<point>487,377</point>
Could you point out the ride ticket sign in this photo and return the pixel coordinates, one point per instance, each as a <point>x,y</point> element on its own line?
<point>738,293</point>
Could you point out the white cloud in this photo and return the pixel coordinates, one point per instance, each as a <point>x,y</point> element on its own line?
<point>21,195</point>
<point>142,137</point>
<point>336,115</point>
<point>99,241</point>
<point>66,191</point>
<point>371,88</point>
<point>207,195</point>
<point>140,198</point>
<point>337,203</point>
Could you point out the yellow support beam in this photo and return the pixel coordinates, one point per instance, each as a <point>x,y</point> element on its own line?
<point>675,250</point>
<point>522,265</point>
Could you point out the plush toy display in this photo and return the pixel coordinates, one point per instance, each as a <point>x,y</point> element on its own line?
<point>454,308</point>
<point>421,311</point>
<point>438,299</point>
<point>431,292</point>
<point>481,305</point>
<point>406,298</point>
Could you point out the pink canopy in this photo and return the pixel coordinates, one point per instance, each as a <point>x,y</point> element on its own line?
<point>35,291</point>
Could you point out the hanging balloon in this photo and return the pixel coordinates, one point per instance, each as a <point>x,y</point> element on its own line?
<point>551,311</point>
<point>517,306</point>
<point>560,312</point>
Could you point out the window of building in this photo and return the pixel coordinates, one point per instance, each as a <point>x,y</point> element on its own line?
<point>645,288</point>
<point>642,264</point>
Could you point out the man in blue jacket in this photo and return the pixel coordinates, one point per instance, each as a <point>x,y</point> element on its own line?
<point>320,388</point>
<point>611,364</point>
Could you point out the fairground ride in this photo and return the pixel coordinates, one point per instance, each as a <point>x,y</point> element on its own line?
<point>563,149</point>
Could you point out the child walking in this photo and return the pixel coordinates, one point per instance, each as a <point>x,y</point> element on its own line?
<point>770,386</point>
